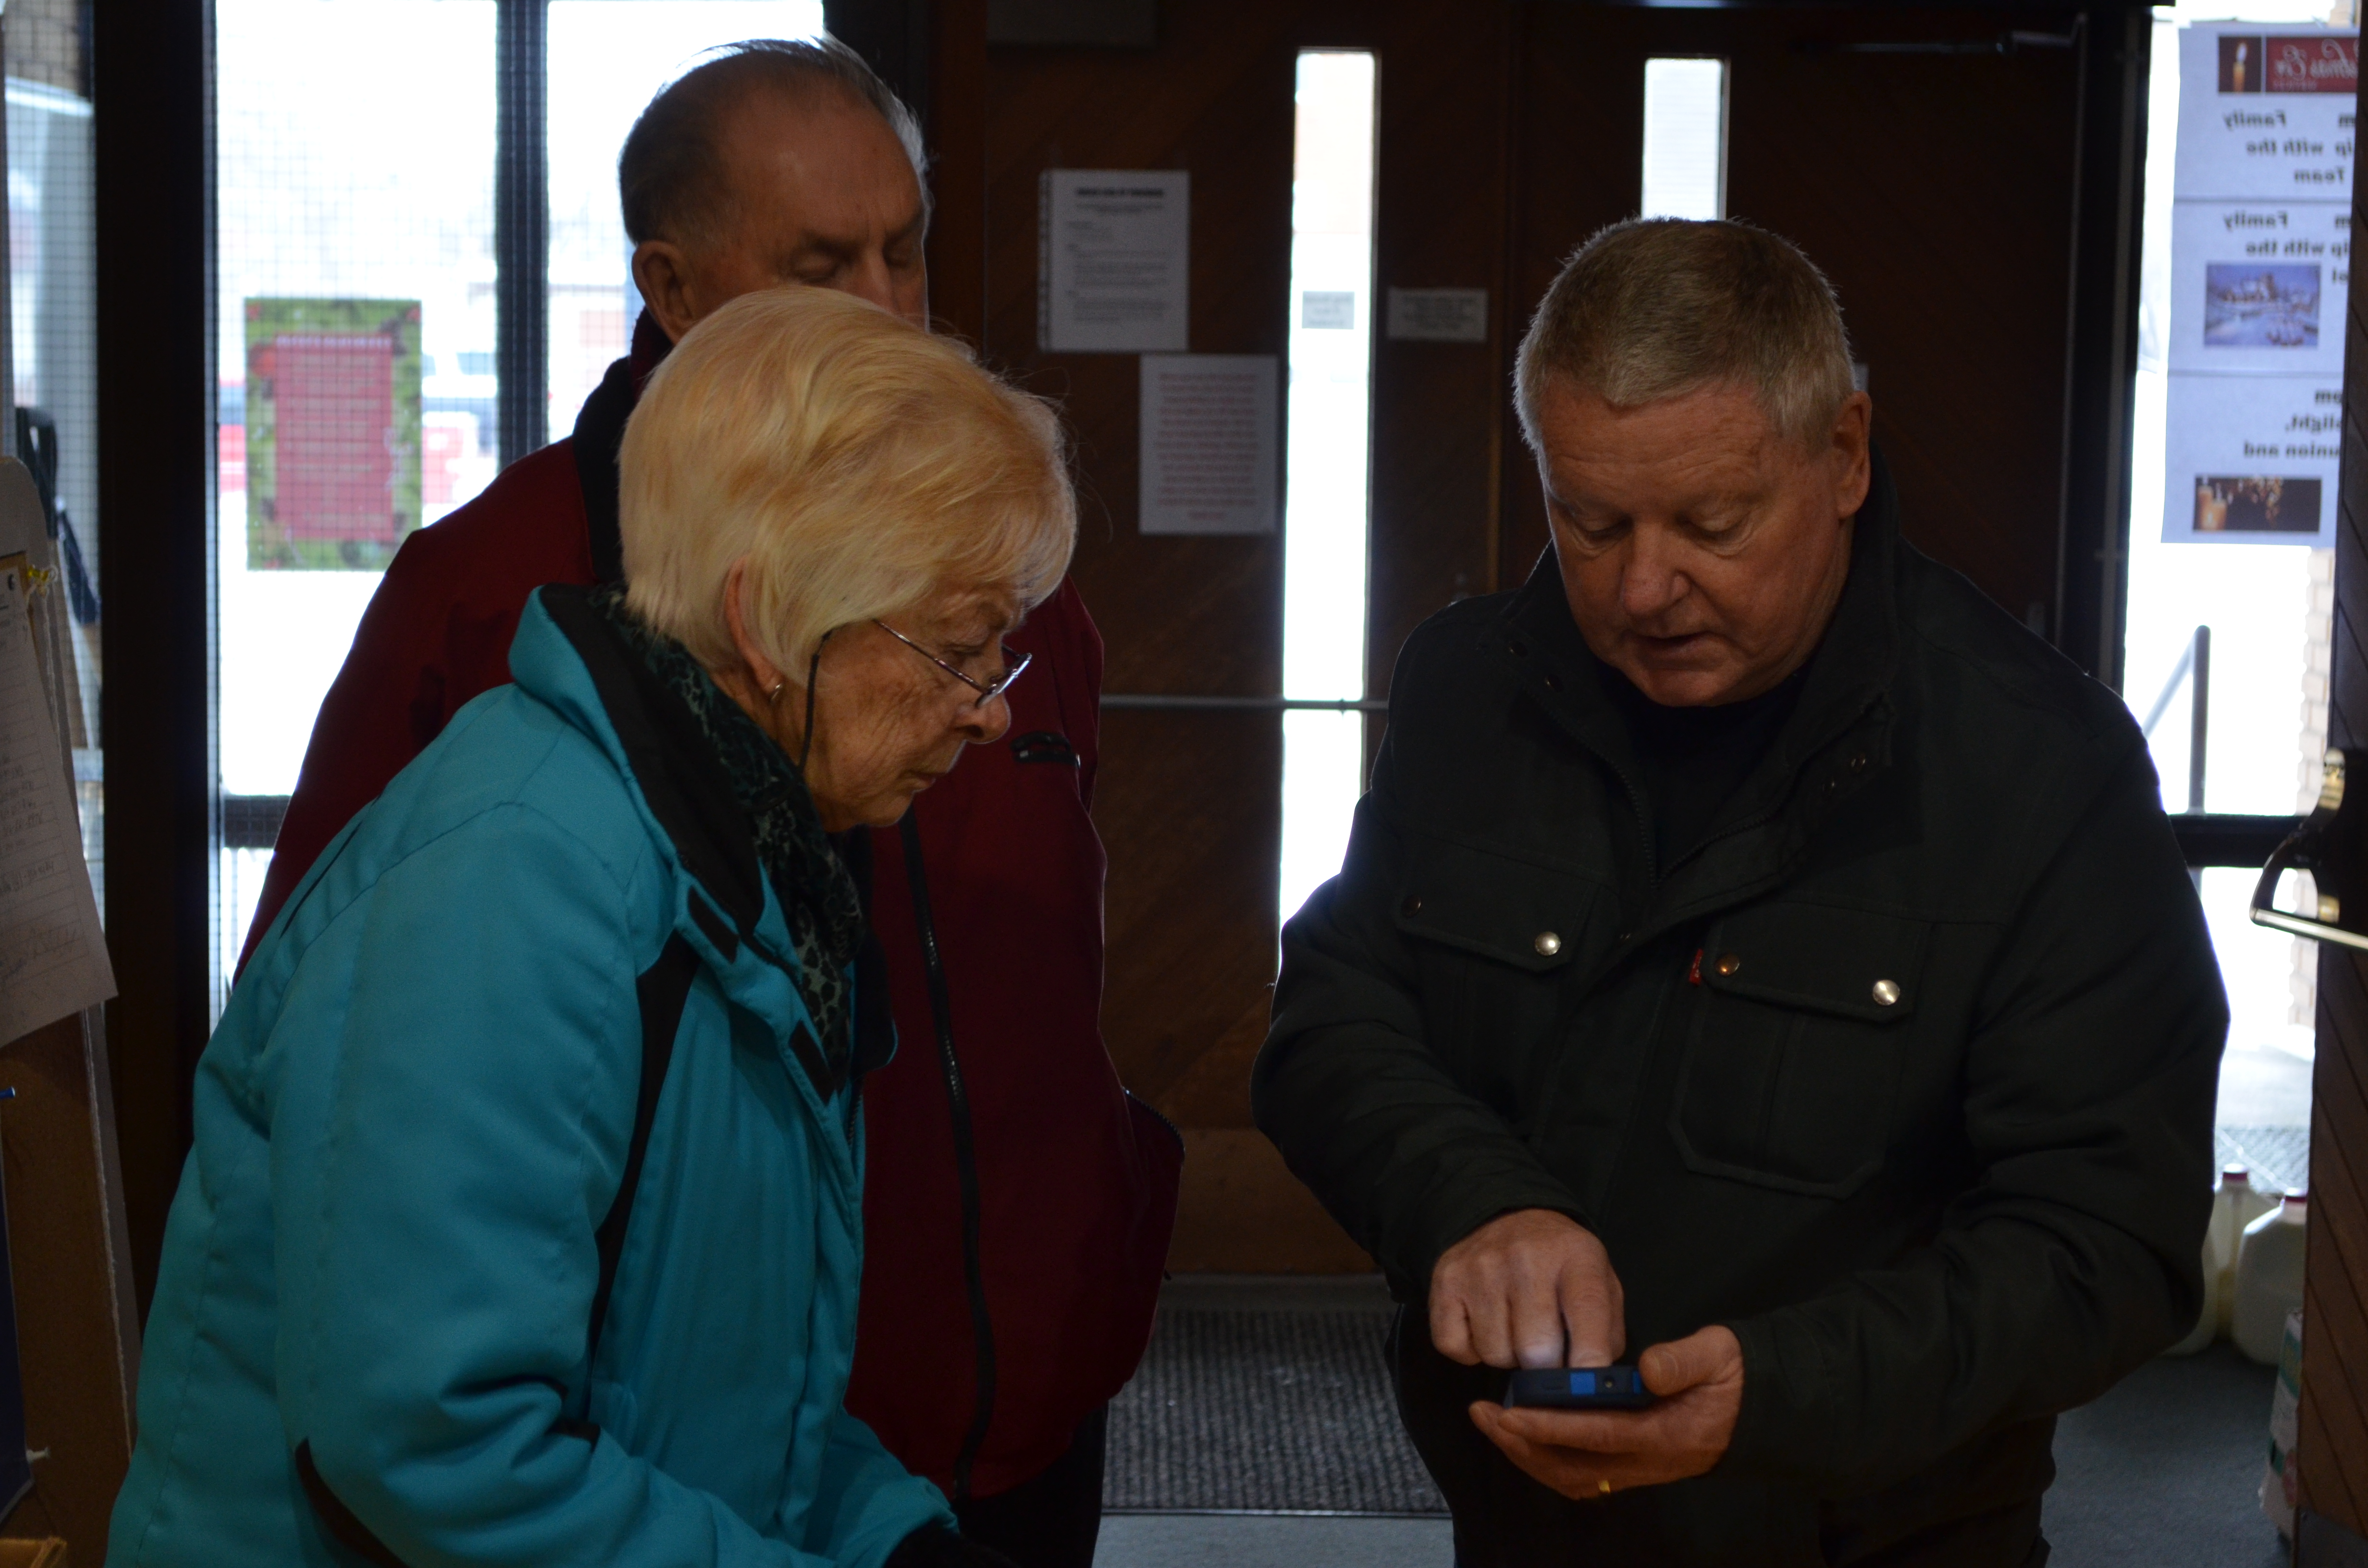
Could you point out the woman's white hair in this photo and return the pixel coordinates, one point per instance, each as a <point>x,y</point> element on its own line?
<point>857,463</point>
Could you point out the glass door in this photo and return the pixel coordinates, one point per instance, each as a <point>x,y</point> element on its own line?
<point>2238,410</point>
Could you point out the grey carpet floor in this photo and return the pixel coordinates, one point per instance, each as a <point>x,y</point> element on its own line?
<point>2165,1471</point>
<point>1277,1401</point>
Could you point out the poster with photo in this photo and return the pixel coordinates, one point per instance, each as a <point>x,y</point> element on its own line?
<point>2260,272</point>
<point>2252,460</point>
<point>332,475</point>
<point>2266,112</point>
<point>2258,286</point>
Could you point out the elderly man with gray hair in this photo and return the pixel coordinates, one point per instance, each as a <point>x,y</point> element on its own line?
<point>1759,958</point>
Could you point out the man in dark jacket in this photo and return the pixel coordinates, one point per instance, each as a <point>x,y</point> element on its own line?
<point>1017,1201</point>
<point>1759,951</point>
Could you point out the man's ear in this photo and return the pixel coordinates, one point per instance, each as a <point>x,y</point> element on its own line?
<point>1853,466</point>
<point>662,273</point>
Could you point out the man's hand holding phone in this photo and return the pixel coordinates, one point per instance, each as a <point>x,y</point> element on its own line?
<point>1536,1288</point>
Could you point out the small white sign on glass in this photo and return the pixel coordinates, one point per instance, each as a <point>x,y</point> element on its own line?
<point>1113,261</point>
<point>1327,310</point>
<point>1211,444</point>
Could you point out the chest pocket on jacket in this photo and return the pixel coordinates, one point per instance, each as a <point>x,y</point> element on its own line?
<point>1493,938</point>
<point>1794,1053</point>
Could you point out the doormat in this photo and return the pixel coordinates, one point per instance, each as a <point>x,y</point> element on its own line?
<point>1264,1411</point>
<point>2277,1157</point>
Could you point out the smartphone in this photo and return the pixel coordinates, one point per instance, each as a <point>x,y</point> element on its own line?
<point>1579,1388</point>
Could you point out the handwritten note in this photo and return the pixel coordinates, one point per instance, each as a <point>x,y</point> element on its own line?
<point>52,955</point>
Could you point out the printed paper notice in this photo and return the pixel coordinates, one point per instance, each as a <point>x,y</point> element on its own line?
<point>2253,460</point>
<point>2260,265</point>
<point>1211,453</point>
<point>52,956</point>
<point>2266,112</point>
<point>1113,261</point>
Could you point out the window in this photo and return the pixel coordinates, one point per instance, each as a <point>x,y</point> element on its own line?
<point>357,271</point>
<point>54,340</point>
<point>347,258</point>
<point>2230,590</point>
<point>1685,138</point>
<point>608,58</point>
<point>1327,465</point>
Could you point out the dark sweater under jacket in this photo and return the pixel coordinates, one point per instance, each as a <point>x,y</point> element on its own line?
<point>1928,1124</point>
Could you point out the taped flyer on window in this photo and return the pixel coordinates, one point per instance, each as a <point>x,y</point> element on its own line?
<point>2260,257</point>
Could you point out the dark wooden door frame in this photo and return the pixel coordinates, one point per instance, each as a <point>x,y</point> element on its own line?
<point>2332,1443</point>
<point>152,70</point>
<point>2115,47</point>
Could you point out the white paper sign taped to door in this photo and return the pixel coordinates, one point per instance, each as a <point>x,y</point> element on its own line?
<point>1114,260</point>
<point>1212,453</point>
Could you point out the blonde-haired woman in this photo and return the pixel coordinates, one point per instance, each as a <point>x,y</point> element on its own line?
<point>523,1220</point>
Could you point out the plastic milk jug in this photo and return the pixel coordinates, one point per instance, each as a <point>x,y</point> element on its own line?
<point>2269,1280</point>
<point>2219,1257</point>
<point>2241,1204</point>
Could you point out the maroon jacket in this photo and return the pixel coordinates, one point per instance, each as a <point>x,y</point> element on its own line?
<point>1072,1183</point>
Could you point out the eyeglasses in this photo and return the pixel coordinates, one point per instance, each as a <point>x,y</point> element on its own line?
<point>987,690</point>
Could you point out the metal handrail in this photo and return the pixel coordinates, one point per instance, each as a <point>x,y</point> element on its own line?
<point>1162,702</point>
<point>2194,667</point>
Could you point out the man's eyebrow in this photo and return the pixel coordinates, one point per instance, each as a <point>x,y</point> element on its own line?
<point>1555,499</point>
<point>808,243</point>
<point>840,247</point>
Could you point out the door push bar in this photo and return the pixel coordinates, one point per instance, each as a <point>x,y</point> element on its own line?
<point>2325,844</point>
<point>1132,701</point>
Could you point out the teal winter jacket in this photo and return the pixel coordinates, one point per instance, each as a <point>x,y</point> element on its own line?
<point>410,1126</point>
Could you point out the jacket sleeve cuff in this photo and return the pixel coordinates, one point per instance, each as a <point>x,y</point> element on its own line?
<point>1775,1433</point>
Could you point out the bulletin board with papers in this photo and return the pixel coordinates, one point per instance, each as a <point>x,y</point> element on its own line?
<point>2259,271</point>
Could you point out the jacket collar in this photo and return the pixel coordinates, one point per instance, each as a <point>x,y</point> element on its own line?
<point>600,431</point>
<point>1835,741</point>
<point>568,656</point>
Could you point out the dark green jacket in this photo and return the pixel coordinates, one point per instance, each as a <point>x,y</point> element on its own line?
<point>1928,1124</point>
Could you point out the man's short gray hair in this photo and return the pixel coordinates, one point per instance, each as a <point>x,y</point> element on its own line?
<point>671,174</point>
<point>1657,307</point>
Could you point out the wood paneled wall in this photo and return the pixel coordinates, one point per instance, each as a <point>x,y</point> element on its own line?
<point>2332,1441</point>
